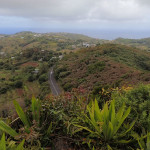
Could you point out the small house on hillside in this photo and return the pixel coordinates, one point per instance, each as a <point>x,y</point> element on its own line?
<point>85,44</point>
<point>36,71</point>
<point>60,57</point>
<point>53,58</point>
<point>12,57</point>
<point>41,59</point>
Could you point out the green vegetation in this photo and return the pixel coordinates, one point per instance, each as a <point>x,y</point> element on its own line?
<point>104,107</point>
<point>139,99</point>
<point>99,66</point>
<point>143,44</point>
<point>104,124</point>
<point>48,41</point>
<point>23,76</point>
<point>11,144</point>
<point>79,122</point>
<point>110,65</point>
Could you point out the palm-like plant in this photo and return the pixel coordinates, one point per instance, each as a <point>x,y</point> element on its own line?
<point>106,123</point>
<point>33,127</point>
<point>11,145</point>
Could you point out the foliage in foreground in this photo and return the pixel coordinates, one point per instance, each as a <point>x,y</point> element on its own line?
<point>10,145</point>
<point>139,100</point>
<point>78,122</point>
<point>105,124</point>
<point>32,127</point>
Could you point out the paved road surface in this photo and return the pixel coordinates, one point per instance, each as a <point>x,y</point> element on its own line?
<point>56,90</point>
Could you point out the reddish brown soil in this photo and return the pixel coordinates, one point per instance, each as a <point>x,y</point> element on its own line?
<point>33,64</point>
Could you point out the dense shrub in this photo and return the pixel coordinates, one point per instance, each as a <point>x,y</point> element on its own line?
<point>18,84</point>
<point>68,86</point>
<point>139,100</point>
<point>43,78</point>
<point>68,118</point>
<point>98,66</point>
<point>31,77</point>
<point>44,68</point>
<point>44,90</point>
<point>64,74</point>
<point>59,70</point>
<point>3,90</point>
<point>28,69</point>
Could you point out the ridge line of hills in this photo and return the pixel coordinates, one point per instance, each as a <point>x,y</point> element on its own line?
<point>60,41</point>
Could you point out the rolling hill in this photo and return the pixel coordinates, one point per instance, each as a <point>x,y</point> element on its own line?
<point>47,41</point>
<point>143,44</point>
<point>108,64</point>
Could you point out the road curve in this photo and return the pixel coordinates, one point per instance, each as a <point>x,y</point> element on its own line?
<point>55,89</point>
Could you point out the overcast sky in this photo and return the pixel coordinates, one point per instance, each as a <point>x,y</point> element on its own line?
<point>75,14</point>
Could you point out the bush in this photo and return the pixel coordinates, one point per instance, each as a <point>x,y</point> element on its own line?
<point>3,90</point>
<point>68,87</point>
<point>43,68</point>
<point>139,100</point>
<point>64,74</point>
<point>98,66</point>
<point>105,125</point>
<point>28,69</point>
<point>59,70</point>
<point>31,78</point>
<point>43,78</point>
<point>44,90</point>
<point>33,125</point>
<point>18,84</point>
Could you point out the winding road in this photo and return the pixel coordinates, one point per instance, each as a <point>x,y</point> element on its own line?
<point>56,90</point>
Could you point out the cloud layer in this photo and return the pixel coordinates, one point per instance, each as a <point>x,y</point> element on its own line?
<point>100,12</point>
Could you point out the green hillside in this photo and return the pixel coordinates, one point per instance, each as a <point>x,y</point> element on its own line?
<point>103,106</point>
<point>139,43</point>
<point>47,41</point>
<point>108,64</point>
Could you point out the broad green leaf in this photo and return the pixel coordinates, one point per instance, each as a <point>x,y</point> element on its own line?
<point>21,114</point>
<point>112,113</point>
<point>105,118</point>
<point>77,130</point>
<point>108,147</point>
<point>87,129</point>
<point>20,146</point>
<point>98,115</point>
<point>3,143</point>
<point>131,125</point>
<point>35,107</point>
<point>122,119</point>
<point>110,131</point>
<point>96,125</point>
<point>120,112</point>
<point>4,127</point>
<point>148,141</point>
<point>124,141</point>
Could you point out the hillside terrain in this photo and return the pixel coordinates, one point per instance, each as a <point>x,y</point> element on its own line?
<point>143,44</point>
<point>110,65</point>
<point>25,74</point>
<point>47,41</point>
<point>105,103</point>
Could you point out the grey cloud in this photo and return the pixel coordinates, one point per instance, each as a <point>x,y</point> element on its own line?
<point>77,10</point>
<point>45,8</point>
<point>143,2</point>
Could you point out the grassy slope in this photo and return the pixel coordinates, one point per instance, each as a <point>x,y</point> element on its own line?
<point>47,41</point>
<point>139,43</point>
<point>108,64</point>
<point>19,69</point>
